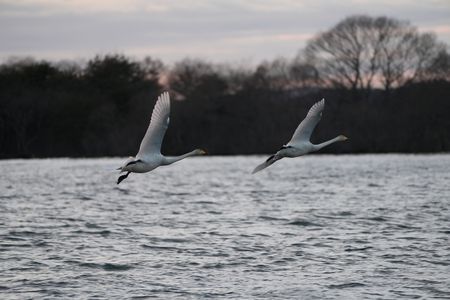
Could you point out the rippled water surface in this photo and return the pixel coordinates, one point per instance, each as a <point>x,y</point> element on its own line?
<point>317,227</point>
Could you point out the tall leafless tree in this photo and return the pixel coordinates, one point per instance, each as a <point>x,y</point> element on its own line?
<point>362,51</point>
<point>439,69</point>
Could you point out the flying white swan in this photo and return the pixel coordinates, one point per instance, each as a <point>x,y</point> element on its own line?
<point>149,156</point>
<point>299,144</point>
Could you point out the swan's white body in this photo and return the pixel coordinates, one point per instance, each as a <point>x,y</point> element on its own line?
<point>149,156</point>
<point>300,142</point>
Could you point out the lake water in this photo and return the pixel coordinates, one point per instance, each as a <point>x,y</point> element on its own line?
<point>316,227</point>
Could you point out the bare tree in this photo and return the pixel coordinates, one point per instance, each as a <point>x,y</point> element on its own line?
<point>197,79</point>
<point>405,56</point>
<point>439,69</point>
<point>153,68</point>
<point>270,75</point>
<point>303,74</point>
<point>361,52</point>
<point>342,56</point>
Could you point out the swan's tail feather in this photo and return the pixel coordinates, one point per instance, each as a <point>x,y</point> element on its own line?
<point>267,163</point>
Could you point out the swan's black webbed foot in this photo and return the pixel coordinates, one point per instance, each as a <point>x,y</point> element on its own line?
<point>122,177</point>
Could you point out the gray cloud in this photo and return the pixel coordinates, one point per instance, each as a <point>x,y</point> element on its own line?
<point>216,30</point>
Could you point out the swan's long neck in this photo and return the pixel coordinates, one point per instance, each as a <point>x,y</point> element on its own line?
<point>324,144</point>
<point>172,159</point>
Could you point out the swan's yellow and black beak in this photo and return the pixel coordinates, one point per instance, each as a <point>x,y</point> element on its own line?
<point>202,152</point>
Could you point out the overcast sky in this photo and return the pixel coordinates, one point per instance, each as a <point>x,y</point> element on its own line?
<point>244,31</point>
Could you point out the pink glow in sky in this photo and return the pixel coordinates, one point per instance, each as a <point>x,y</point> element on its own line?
<point>215,30</point>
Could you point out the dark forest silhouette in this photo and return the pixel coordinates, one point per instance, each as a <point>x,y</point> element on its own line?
<point>386,86</point>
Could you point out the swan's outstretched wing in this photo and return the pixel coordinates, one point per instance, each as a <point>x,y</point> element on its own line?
<point>306,127</point>
<point>151,143</point>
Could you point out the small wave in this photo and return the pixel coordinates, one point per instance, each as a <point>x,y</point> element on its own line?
<point>358,249</point>
<point>204,202</point>
<point>23,233</point>
<point>302,222</point>
<point>116,267</point>
<point>107,266</point>
<point>345,213</point>
<point>377,219</point>
<point>214,266</point>
<point>411,238</point>
<point>261,234</point>
<point>269,218</point>
<point>170,240</point>
<point>438,262</point>
<point>40,244</point>
<point>8,245</point>
<point>259,268</point>
<point>121,190</point>
<point>246,249</point>
<point>178,194</point>
<point>402,226</point>
<point>220,265</point>
<point>299,244</point>
<point>13,238</point>
<point>99,232</point>
<point>327,216</point>
<point>92,225</point>
<point>346,285</point>
<point>218,254</point>
<point>160,247</point>
<point>284,260</point>
<point>215,295</point>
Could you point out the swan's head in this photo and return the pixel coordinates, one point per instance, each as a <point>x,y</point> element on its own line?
<point>199,152</point>
<point>343,138</point>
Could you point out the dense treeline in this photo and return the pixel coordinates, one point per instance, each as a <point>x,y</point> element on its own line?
<point>387,87</point>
